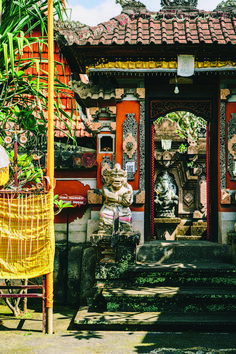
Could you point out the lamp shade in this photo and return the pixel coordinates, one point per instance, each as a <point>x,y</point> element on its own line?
<point>4,166</point>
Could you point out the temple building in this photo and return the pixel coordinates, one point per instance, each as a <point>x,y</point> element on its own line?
<point>142,66</point>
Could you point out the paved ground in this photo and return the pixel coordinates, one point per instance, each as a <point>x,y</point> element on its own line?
<point>24,336</point>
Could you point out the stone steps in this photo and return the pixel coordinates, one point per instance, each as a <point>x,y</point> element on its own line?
<point>170,299</point>
<point>154,321</point>
<point>196,289</point>
<point>170,252</point>
<point>195,274</point>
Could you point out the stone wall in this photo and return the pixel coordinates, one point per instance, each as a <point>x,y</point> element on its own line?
<point>73,272</point>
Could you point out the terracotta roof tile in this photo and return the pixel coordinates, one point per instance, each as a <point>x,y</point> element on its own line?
<point>168,27</point>
<point>63,74</point>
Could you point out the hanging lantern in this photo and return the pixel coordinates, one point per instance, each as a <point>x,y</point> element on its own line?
<point>4,166</point>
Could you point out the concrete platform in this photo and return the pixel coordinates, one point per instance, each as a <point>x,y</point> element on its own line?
<point>170,252</point>
<point>154,320</point>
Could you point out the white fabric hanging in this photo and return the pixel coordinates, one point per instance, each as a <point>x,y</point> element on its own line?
<point>4,159</point>
<point>186,65</point>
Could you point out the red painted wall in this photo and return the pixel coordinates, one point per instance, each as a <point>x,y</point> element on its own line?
<point>230,108</point>
<point>122,109</point>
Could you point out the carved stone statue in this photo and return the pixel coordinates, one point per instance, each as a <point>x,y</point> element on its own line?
<point>165,196</point>
<point>115,213</point>
<point>130,3</point>
<point>179,3</point>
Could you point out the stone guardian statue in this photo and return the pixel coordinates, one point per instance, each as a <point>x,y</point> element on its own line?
<point>115,213</point>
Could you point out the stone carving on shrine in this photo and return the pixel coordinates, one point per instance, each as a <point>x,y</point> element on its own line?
<point>225,5</point>
<point>105,165</point>
<point>232,147</point>
<point>130,3</point>
<point>166,198</point>
<point>130,144</point>
<point>187,167</point>
<point>191,4</point>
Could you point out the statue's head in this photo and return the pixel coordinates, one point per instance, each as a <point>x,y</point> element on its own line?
<point>165,180</point>
<point>116,177</point>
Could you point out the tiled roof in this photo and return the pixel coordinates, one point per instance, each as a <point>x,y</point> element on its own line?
<point>64,125</point>
<point>147,28</point>
<point>89,92</point>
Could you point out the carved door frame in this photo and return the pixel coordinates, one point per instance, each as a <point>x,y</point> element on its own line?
<point>160,107</point>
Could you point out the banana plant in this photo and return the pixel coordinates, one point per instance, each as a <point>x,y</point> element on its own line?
<point>22,95</point>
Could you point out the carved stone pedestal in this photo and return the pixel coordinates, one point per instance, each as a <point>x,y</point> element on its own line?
<point>232,242</point>
<point>112,260</point>
<point>166,228</point>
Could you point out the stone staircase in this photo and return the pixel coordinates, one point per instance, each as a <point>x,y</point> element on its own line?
<point>172,286</point>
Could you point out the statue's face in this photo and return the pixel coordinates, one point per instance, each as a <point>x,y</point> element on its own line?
<point>165,184</point>
<point>117,179</point>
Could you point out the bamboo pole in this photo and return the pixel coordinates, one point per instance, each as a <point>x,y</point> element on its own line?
<point>50,159</point>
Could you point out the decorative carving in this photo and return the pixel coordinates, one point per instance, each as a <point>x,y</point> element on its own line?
<point>131,92</point>
<point>101,126</point>
<point>94,111</point>
<point>224,93</point>
<point>94,196</point>
<point>165,158</point>
<point>140,197</point>
<point>191,4</point>
<point>188,199</point>
<point>104,113</point>
<point>203,195</point>
<point>231,145</point>
<point>119,93</point>
<point>141,92</point>
<point>130,145</point>
<point>142,146</point>
<point>93,126</point>
<point>222,146</point>
<point>226,5</point>
<point>225,196</point>
<point>118,195</point>
<point>130,127</point>
<point>130,3</point>
<point>162,107</point>
<point>166,198</point>
<point>106,164</point>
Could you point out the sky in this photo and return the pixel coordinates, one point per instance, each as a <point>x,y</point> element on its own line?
<point>92,12</point>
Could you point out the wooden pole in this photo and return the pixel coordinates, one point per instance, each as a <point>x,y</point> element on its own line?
<point>50,159</point>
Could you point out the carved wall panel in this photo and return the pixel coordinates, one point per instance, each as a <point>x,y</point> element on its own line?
<point>231,145</point>
<point>203,194</point>
<point>188,199</point>
<point>142,146</point>
<point>222,147</point>
<point>130,132</point>
<point>105,164</point>
<point>162,107</point>
<point>179,3</point>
